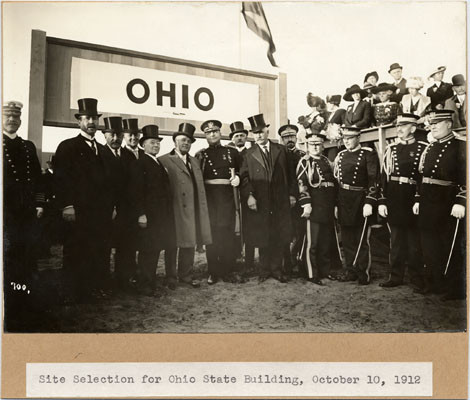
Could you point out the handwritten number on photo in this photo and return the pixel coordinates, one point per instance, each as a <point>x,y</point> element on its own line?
<point>19,286</point>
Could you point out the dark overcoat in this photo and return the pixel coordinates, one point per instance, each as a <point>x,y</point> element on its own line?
<point>360,117</point>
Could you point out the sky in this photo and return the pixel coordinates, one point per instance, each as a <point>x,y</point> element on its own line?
<point>323,47</point>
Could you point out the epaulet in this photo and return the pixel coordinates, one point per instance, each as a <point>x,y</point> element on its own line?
<point>367,148</point>
<point>461,138</point>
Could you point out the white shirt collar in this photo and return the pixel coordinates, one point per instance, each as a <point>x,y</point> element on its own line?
<point>11,136</point>
<point>461,97</point>
<point>153,157</point>
<point>268,145</point>
<point>437,83</point>
<point>183,157</point>
<point>87,136</point>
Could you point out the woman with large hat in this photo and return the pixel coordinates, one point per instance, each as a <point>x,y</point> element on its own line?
<point>415,102</point>
<point>386,111</point>
<point>315,121</point>
<point>357,114</point>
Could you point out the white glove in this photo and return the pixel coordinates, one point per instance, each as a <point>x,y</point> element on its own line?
<point>416,209</point>
<point>383,211</point>
<point>307,211</point>
<point>235,181</point>
<point>458,211</point>
<point>143,221</point>
<point>39,212</point>
<point>367,210</point>
<point>252,203</point>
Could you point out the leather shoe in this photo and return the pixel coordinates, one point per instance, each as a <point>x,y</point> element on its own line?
<point>316,281</point>
<point>348,277</point>
<point>172,285</point>
<point>281,278</point>
<point>390,283</point>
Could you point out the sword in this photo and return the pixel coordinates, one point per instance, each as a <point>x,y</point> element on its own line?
<point>360,241</point>
<point>309,244</point>
<point>302,248</point>
<point>452,247</point>
<point>238,214</point>
<point>337,242</point>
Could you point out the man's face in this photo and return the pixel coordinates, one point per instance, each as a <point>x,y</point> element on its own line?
<point>213,137</point>
<point>372,80</point>
<point>132,139</point>
<point>406,131</point>
<point>356,96</point>
<point>152,146</point>
<point>441,129</point>
<point>351,142</point>
<point>239,139</point>
<point>11,121</point>
<point>396,73</point>
<point>438,76</point>
<point>460,90</point>
<point>114,140</point>
<point>88,124</point>
<point>261,137</point>
<point>314,147</point>
<point>384,95</point>
<point>289,140</point>
<point>182,144</point>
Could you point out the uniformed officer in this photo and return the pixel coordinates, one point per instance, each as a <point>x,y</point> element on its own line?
<point>288,134</point>
<point>441,208</point>
<point>220,166</point>
<point>399,180</point>
<point>317,198</point>
<point>23,202</point>
<point>357,171</point>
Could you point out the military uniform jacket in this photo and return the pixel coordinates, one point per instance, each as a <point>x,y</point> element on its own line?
<point>312,174</point>
<point>22,188</point>
<point>401,161</point>
<point>444,160</point>
<point>216,162</point>
<point>443,92</point>
<point>358,170</point>
<point>360,117</point>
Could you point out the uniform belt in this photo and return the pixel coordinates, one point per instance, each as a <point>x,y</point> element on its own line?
<point>326,184</point>
<point>349,187</point>
<point>218,181</point>
<point>403,179</point>
<point>439,182</point>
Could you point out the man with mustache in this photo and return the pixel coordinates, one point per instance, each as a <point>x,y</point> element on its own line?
<point>23,203</point>
<point>80,179</point>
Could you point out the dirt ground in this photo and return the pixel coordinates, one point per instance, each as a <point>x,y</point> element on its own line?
<point>271,306</point>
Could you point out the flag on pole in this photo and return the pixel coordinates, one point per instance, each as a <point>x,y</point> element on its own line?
<point>256,21</point>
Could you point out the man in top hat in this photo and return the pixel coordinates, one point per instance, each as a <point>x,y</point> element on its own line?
<point>191,216</point>
<point>357,171</point>
<point>150,198</point>
<point>269,188</point>
<point>399,180</point>
<point>457,103</point>
<point>220,167</point>
<point>440,91</point>
<point>358,114</point>
<point>317,198</point>
<point>117,162</point>
<point>440,204</point>
<point>385,112</point>
<point>396,71</point>
<point>132,135</point>
<point>288,134</point>
<point>80,179</point>
<point>238,136</point>
<point>23,203</point>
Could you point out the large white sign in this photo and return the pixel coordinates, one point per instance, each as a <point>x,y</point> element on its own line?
<point>126,89</point>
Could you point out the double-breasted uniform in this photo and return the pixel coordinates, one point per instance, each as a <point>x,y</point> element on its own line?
<point>357,173</point>
<point>399,180</point>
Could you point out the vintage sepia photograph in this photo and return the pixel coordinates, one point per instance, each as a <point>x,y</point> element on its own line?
<point>234,167</point>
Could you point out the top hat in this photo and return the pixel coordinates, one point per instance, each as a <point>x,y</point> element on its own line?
<point>257,123</point>
<point>354,89</point>
<point>440,115</point>
<point>113,125</point>
<point>186,129</point>
<point>211,125</point>
<point>334,99</point>
<point>394,66</point>
<point>87,107</point>
<point>350,131</point>
<point>458,80</point>
<point>383,87</point>
<point>237,127</point>
<point>149,132</point>
<point>12,107</point>
<point>131,125</point>
<point>414,82</point>
<point>407,118</point>
<point>369,74</point>
<point>439,69</point>
<point>288,129</point>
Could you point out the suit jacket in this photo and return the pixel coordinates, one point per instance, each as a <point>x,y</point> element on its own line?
<point>443,92</point>
<point>361,117</point>
<point>423,105</point>
<point>400,92</point>
<point>459,118</point>
<point>189,201</point>
<point>140,151</point>
<point>271,190</point>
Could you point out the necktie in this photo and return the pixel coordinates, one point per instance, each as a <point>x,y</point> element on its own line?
<point>116,153</point>
<point>268,157</point>
<point>92,144</point>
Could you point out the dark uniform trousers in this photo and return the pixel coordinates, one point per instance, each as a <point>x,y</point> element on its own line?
<point>320,249</point>
<point>271,256</point>
<point>405,249</point>
<point>351,237</point>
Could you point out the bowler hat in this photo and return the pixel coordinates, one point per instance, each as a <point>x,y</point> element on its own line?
<point>149,132</point>
<point>87,106</point>
<point>211,125</point>
<point>458,80</point>
<point>354,89</point>
<point>113,125</point>
<point>438,69</point>
<point>288,129</point>
<point>257,123</point>
<point>334,99</point>
<point>131,125</point>
<point>237,127</point>
<point>383,87</point>
<point>369,74</point>
<point>350,131</point>
<point>394,66</point>
<point>185,129</point>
